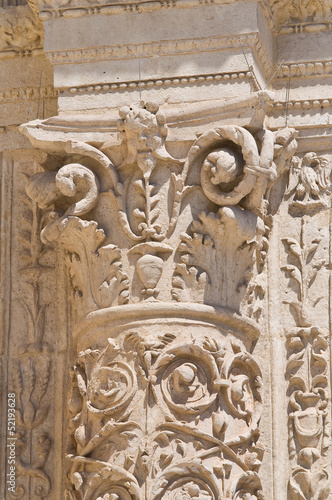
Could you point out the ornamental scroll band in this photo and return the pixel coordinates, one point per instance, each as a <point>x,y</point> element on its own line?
<point>166,262</point>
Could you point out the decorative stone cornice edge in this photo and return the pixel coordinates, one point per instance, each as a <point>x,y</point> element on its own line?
<point>46,13</point>
<point>31,93</point>
<point>306,27</point>
<point>160,82</point>
<point>167,47</point>
<point>303,69</point>
<point>302,104</point>
<point>26,52</point>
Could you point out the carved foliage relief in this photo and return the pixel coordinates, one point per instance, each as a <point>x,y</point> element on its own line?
<point>177,223</point>
<point>155,417</point>
<point>307,341</point>
<point>31,350</point>
<point>166,263</point>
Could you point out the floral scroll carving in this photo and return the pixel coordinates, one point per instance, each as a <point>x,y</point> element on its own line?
<point>307,345</point>
<point>169,450</point>
<point>301,11</point>
<point>32,364</point>
<point>308,417</point>
<point>166,261</point>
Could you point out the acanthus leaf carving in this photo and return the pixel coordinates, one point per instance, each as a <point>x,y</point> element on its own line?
<point>150,189</point>
<point>167,406</point>
<point>20,30</point>
<point>300,11</point>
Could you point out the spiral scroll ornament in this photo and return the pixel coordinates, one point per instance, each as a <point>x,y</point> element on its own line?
<point>111,387</point>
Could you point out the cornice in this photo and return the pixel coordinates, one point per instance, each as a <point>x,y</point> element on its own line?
<point>308,27</point>
<point>22,53</point>
<point>155,83</point>
<point>304,104</point>
<point>164,48</point>
<point>305,69</point>
<point>268,13</point>
<point>62,8</point>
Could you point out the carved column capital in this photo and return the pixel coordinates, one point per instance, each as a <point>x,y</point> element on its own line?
<point>165,257</point>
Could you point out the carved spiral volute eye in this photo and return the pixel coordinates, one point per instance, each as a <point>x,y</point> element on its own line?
<point>223,166</point>
<point>186,376</point>
<point>186,382</point>
<point>111,387</point>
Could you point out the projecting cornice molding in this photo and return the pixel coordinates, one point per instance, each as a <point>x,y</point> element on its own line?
<point>31,94</point>
<point>285,16</point>
<point>157,83</point>
<point>305,69</point>
<point>165,48</point>
<point>62,8</point>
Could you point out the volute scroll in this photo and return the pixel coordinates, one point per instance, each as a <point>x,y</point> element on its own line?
<point>166,262</point>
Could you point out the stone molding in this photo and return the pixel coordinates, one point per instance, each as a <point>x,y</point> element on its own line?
<point>305,69</point>
<point>160,82</point>
<point>164,48</point>
<point>62,9</point>
<point>22,53</point>
<point>31,93</point>
<point>302,104</point>
<point>312,16</point>
<point>308,27</point>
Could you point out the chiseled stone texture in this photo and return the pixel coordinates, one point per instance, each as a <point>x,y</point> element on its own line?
<point>165,258</point>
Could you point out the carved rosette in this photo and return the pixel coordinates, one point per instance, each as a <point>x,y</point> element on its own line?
<point>165,260</point>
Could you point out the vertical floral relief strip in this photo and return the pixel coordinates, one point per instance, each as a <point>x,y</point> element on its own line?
<point>307,344</point>
<point>32,363</point>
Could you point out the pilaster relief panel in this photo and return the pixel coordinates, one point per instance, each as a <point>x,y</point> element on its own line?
<point>166,262</point>
<point>5,280</point>
<point>307,265</point>
<point>33,380</point>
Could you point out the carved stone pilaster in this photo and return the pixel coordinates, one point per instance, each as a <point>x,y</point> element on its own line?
<point>165,258</point>
<point>308,342</point>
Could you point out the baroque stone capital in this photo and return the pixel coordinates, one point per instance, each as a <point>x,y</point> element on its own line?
<point>166,260</point>
<point>150,218</point>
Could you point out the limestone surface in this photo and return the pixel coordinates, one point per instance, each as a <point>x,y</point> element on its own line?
<point>165,250</point>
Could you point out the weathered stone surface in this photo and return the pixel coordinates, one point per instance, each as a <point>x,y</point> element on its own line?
<point>165,258</point>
